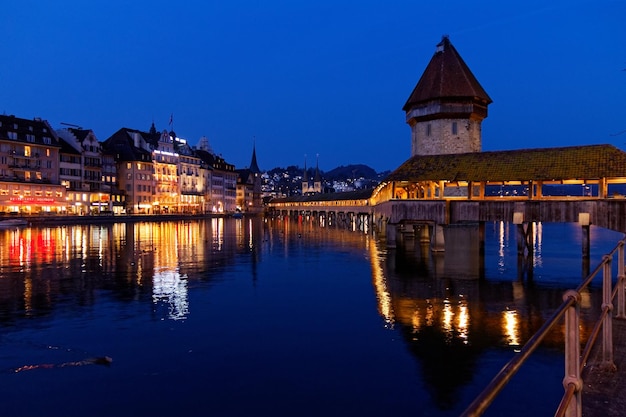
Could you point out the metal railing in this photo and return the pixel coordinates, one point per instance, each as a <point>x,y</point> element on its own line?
<point>570,405</point>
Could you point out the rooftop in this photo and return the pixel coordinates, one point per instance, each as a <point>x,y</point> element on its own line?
<point>539,164</point>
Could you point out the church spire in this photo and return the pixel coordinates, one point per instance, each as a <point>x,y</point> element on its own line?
<point>254,167</point>
<point>318,177</point>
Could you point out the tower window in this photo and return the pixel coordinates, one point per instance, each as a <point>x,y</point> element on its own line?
<point>428,129</point>
<point>454,128</point>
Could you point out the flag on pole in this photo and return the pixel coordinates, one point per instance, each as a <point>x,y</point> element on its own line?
<point>171,119</point>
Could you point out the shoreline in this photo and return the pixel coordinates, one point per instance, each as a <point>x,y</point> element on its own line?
<point>56,220</point>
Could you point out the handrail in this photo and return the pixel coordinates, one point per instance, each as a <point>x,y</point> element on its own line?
<point>574,361</point>
<point>480,404</point>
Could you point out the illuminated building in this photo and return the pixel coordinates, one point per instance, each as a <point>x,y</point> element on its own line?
<point>221,190</point>
<point>80,170</point>
<point>166,188</point>
<point>29,167</point>
<point>249,187</point>
<point>132,150</point>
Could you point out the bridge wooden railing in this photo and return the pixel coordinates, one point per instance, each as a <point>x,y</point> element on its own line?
<point>571,404</point>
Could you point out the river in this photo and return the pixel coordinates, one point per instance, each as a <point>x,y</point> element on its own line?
<point>254,317</point>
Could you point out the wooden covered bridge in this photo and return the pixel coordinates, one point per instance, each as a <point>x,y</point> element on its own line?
<point>567,184</point>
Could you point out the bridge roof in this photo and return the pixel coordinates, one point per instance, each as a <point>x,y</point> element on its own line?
<point>539,164</point>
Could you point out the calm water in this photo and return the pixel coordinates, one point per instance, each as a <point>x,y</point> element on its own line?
<point>243,317</point>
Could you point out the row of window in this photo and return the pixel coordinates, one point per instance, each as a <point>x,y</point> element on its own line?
<point>140,188</point>
<point>30,138</point>
<point>26,192</point>
<point>15,126</point>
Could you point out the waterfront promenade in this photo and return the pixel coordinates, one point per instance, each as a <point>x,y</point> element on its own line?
<point>53,219</point>
<point>604,392</point>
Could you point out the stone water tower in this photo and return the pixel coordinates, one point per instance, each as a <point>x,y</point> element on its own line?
<point>447,106</point>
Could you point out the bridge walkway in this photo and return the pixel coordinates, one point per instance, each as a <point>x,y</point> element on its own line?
<point>604,392</point>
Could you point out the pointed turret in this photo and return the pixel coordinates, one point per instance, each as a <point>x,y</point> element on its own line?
<point>318,177</point>
<point>447,106</point>
<point>254,167</point>
<point>317,180</point>
<point>305,179</point>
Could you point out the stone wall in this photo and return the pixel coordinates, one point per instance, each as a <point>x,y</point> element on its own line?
<point>434,137</point>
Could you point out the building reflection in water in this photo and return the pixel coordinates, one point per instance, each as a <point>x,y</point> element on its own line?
<point>451,312</point>
<point>447,308</point>
<point>38,266</point>
<point>170,288</point>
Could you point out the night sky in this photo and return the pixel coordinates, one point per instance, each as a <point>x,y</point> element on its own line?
<point>306,78</point>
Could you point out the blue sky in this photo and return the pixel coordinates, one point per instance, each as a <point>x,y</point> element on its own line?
<point>307,78</point>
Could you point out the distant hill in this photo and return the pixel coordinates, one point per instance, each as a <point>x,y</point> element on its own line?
<point>350,171</point>
<point>336,174</point>
<point>289,180</point>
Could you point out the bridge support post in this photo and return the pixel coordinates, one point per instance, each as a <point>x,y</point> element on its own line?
<point>583,220</point>
<point>438,242</point>
<point>524,234</point>
<point>381,224</point>
<point>391,235</point>
<point>524,246</point>
<point>424,233</point>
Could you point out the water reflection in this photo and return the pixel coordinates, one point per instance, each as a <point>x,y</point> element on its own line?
<point>170,288</point>
<point>380,285</point>
<point>450,310</point>
<point>450,316</point>
<point>40,266</point>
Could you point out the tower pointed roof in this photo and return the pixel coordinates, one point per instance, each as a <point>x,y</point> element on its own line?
<point>446,76</point>
<point>305,175</point>
<point>254,167</point>
<point>318,177</point>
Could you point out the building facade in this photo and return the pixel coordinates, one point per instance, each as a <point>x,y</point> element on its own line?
<point>84,183</point>
<point>29,167</point>
<point>249,187</point>
<point>132,151</point>
<point>166,161</point>
<point>191,178</point>
<point>132,172</point>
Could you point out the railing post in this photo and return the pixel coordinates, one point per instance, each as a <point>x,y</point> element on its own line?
<point>572,354</point>
<point>621,298</point>
<point>607,303</point>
